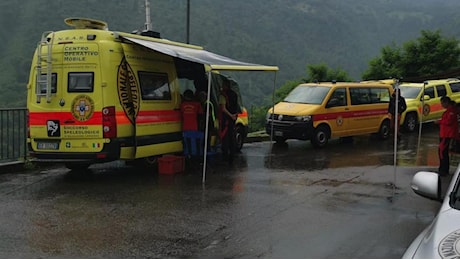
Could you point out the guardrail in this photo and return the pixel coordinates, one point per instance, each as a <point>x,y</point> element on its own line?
<point>13,135</point>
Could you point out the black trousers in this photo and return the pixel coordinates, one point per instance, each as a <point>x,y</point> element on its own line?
<point>228,141</point>
<point>443,153</point>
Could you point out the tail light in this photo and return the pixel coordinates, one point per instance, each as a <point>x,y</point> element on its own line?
<point>109,122</point>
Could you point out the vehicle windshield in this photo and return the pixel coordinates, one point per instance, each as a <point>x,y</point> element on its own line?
<point>410,92</point>
<point>307,95</point>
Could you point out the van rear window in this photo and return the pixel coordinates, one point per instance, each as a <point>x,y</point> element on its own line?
<point>154,86</point>
<point>372,95</point>
<point>455,87</point>
<point>80,82</point>
<point>43,83</point>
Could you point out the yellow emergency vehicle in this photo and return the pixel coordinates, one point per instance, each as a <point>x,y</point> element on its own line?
<point>423,100</point>
<point>320,111</point>
<point>96,95</point>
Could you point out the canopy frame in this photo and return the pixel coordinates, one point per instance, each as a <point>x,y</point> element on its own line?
<point>210,61</point>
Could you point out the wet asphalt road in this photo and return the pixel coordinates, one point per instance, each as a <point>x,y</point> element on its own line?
<point>291,201</point>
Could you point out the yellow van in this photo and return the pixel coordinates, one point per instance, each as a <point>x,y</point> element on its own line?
<point>96,95</point>
<point>426,108</point>
<point>320,111</point>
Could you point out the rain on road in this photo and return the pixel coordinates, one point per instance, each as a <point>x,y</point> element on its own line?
<point>292,201</point>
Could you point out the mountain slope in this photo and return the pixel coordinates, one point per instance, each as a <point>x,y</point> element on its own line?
<point>286,33</point>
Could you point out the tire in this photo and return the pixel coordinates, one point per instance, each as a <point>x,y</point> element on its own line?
<point>320,137</point>
<point>240,136</point>
<point>144,163</point>
<point>149,162</point>
<point>410,122</point>
<point>279,140</point>
<point>384,131</point>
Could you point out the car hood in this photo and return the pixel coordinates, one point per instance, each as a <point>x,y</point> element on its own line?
<point>295,109</point>
<point>439,240</point>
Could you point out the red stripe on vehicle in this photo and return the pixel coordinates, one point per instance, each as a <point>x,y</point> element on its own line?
<point>351,114</point>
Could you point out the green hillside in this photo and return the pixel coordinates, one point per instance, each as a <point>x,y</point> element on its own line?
<point>291,34</point>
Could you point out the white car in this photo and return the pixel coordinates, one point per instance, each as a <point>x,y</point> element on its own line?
<point>441,239</point>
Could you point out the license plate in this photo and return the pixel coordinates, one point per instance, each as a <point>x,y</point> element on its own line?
<point>278,133</point>
<point>47,146</point>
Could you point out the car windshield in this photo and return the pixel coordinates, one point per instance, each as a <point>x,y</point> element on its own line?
<point>410,92</point>
<point>307,94</point>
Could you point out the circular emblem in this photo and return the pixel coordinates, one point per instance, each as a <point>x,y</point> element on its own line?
<point>450,246</point>
<point>82,108</point>
<point>426,109</point>
<point>339,120</point>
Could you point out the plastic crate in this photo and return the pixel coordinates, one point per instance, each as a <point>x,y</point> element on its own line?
<point>170,164</point>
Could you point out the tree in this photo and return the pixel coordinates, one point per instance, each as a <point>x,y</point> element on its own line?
<point>430,54</point>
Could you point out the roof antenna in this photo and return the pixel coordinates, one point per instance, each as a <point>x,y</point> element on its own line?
<point>148,23</point>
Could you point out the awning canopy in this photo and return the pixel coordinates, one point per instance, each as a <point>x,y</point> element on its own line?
<point>199,55</point>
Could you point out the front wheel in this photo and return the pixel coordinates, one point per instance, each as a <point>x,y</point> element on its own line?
<point>320,137</point>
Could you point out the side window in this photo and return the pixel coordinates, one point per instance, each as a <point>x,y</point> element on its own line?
<point>441,89</point>
<point>338,98</point>
<point>43,83</point>
<point>455,87</point>
<point>154,86</point>
<point>80,82</point>
<point>360,96</point>
<point>430,92</point>
<point>380,95</point>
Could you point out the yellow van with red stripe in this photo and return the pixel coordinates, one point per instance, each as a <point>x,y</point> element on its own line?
<point>320,111</point>
<point>93,98</point>
<point>427,107</point>
<point>96,95</point>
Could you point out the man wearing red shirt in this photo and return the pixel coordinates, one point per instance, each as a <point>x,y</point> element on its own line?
<point>192,138</point>
<point>448,130</point>
<point>191,110</point>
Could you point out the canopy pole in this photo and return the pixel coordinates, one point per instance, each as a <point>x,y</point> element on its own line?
<point>421,115</point>
<point>395,135</point>
<point>206,132</point>
<point>273,119</point>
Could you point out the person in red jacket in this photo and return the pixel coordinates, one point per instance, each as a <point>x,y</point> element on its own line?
<point>191,111</point>
<point>448,130</point>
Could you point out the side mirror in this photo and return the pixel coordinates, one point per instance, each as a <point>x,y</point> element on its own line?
<point>427,184</point>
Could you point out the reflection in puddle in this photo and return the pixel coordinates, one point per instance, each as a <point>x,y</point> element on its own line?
<point>363,151</point>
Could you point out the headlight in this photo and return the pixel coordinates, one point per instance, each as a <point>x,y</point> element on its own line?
<point>303,118</point>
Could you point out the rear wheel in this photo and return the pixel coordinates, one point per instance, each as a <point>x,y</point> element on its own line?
<point>321,136</point>
<point>279,140</point>
<point>410,122</point>
<point>147,162</point>
<point>384,131</point>
<point>239,137</point>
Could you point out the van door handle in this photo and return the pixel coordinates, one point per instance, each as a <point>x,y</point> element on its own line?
<point>347,109</point>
